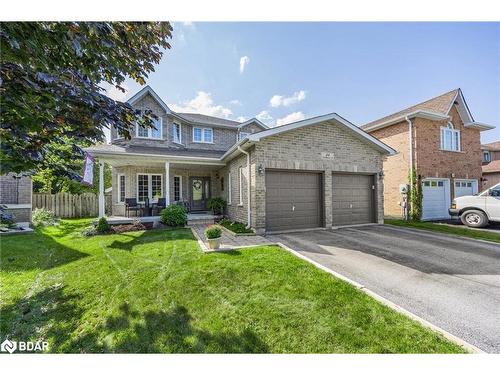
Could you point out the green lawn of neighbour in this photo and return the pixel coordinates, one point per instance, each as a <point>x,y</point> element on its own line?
<point>155,291</point>
<point>448,229</point>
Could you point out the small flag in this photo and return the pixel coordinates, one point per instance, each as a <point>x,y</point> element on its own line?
<point>88,174</point>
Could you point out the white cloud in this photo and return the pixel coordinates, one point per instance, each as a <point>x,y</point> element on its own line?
<point>244,60</point>
<point>264,116</point>
<point>235,102</point>
<point>204,104</point>
<point>115,93</point>
<point>188,23</point>
<point>292,117</point>
<point>241,118</point>
<point>280,100</point>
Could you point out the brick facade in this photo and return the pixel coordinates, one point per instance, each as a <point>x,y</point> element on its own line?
<point>429,160</point>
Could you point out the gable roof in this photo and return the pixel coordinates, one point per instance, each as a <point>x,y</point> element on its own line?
<point>437,108</point>
<point>193,118</point>
<point>440,105</point>
<point>331,117</point>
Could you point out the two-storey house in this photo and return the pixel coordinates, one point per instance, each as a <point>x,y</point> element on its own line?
<point>440,140</point>
<point>319,172</point>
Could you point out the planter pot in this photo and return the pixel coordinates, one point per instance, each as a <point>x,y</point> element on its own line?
<point>214,243</point>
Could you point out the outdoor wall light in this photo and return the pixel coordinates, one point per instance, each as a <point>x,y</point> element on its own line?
<point>260,169</point>
<point>381,174</point>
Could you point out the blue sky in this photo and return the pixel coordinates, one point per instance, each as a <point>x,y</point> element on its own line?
<point>282,72</point>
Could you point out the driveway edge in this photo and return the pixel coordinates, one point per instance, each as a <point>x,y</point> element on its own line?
<point>464,344</point>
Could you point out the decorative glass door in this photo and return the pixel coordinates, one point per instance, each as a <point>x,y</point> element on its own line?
<point>200,193</point>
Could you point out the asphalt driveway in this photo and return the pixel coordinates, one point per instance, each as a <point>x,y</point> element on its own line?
<point>450,281</point>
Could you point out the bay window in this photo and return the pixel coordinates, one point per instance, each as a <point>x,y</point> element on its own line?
<point>154,132</point>
<point>177,135</point>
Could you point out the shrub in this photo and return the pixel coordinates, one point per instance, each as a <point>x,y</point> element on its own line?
<point>235,226</point>
<point>102,226</point>
<point>89,231</point>
<point>173,216</point>
<point>6,219</point>
<point>217,205</point>
<point>42,217</point>
<point>213,232</point>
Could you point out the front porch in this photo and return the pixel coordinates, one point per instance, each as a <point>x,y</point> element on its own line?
<point>152,183</point>
<point>198,218</point>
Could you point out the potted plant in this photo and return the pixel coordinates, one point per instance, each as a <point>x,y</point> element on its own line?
<point>217,205</point>
<point>213,234</point>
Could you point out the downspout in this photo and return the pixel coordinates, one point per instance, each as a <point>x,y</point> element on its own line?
<point>249,209</point>
<point>410,153</point>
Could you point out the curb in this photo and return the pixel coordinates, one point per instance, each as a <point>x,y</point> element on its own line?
<point>464,344</point>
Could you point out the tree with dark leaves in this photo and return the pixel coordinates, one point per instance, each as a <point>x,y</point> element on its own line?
<point>50,96</point>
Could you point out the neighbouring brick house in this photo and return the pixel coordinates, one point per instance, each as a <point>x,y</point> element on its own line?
<point>491,164</point>
<point>441,140</point>
<point>15,196</point>
<point>319,172</point>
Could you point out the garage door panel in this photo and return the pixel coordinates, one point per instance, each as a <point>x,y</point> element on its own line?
<point>288,189</point>
<point>435,199</point>
<point>353,200</point>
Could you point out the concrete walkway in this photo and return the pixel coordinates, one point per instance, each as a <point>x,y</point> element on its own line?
<point>228,242</point>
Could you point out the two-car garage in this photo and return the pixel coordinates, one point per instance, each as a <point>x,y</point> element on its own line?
<point>296,199</point>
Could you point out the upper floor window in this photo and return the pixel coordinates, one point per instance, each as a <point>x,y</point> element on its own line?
<point>486,157</point>
<point>151,132</point>
<point>177,135</point>
<point>203,135</point>
<point>450,138</point>
<point>243,135</point>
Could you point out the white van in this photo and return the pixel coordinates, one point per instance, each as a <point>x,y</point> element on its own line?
<point>478,210</point>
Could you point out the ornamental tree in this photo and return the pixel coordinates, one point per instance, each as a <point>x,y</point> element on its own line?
<point>51,101</point>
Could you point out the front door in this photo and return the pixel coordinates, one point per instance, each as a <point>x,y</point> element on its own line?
<point>200,192</point>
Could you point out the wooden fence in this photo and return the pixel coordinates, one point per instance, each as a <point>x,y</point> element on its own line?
<point>71,205</point>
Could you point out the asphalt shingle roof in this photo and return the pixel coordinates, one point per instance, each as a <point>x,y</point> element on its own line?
<point>493,166</point>
<point>439,104</point>
<point>208,120</point>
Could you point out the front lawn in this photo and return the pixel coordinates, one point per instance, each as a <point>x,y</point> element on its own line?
<point>463,231</point>
<point>155,291</point>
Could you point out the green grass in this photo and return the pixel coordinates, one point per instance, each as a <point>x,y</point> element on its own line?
<point>448,229</point>
<point>235,227</point>
<point>155,291</point>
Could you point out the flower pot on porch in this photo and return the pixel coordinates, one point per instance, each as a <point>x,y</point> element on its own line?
<point>214,243</point>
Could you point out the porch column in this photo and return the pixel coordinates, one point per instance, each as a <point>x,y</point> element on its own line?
<point>167,183</point>
<point>101,188</point>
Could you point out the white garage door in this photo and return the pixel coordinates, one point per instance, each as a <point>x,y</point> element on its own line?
<point>465,187</point>
<point>435,199</point>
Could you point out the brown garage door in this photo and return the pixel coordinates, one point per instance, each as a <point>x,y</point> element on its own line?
<point>293,200</point>
<point>353,199</point>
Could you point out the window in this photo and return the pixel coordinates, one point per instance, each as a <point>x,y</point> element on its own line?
<point>177,135</point>
<point>121,188</point>
<point>486,157</point>
<point>243,135</point>
<point>149,186</point>
<point>222,184</point>
<point>118,133</point>
<point>240,185</point>
<point>154,132</point>
<point>203,135</point>
<point>450,138</point>
<point>177,188</point>
<point>229,188</point>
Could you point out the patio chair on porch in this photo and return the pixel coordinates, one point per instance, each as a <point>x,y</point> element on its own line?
<point>131,204</point>
<point>160,205</point>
